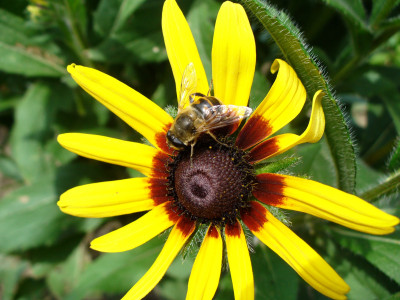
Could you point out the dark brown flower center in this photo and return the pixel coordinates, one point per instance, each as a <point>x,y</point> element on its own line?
<point>213,184</point>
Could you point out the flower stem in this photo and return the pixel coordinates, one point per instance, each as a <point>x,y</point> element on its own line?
<point>391,185</point>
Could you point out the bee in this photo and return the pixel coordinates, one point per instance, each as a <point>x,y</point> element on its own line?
<point>203,114</point>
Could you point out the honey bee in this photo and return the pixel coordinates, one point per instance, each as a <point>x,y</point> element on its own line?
<point>203,114</point>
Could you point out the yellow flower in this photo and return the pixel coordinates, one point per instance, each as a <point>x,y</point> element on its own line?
<point>218,185</point>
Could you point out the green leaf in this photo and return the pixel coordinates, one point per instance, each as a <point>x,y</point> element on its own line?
<point>316,163</point>
<point>20,54</point>
<point>13,29</point>
<point>274,278</point>
<point>296,52</point>
<point>31,128</point>
<point>111,16</point>
<point>394,162</point>
<point>380,10</point>
<point>66,275</point>
<point>352,10</point>
<point>115,272</point>
<point>381,251</point>
<point>29,61</point>
<point>29,217</point>
<point>367,176</point>
<point>10,103</point>
<point>11,271</point>
<point>9,168</point>
<point>134,38</point>
<point>203,31</point>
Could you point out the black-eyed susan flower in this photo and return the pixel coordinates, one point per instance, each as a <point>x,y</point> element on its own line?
<point>217,186</point>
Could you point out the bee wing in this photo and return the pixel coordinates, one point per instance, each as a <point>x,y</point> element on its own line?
<point>218,116</point>
<point>188,85</point>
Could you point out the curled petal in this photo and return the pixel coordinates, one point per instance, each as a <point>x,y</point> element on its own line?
<point>239,262</point>
<point>143,158</point>
<point>324,202</point>
<point>204,278</point>
<point>181,47</point>
<point>135,109</point>
<point>176,240</point>
<point>138,232</point>
<point>281,143</point>
<point>282,104</point>
<point>292,249</point>
<point>233,55</point>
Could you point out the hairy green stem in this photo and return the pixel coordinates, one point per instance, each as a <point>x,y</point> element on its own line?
<point>297,54</point>
<point>391,185</point>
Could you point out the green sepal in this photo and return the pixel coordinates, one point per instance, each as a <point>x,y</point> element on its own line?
<point>276,166</point>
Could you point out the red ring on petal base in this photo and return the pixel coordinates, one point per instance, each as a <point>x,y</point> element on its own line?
<point>254,131</point>
<point>269,189</point>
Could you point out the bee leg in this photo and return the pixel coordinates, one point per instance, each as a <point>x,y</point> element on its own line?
<point>215,138</point>
<point>191,152</point>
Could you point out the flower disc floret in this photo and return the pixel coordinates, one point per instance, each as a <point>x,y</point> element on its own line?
<point>213,184</point>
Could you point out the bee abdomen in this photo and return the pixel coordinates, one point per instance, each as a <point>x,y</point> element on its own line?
<point>204,103</point>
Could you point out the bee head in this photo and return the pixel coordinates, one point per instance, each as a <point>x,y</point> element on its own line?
<point>174,142</point>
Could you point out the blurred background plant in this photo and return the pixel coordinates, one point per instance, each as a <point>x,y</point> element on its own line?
<point>44,254</point>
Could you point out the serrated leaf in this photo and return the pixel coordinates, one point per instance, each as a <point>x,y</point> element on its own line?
<point>274,278</point>
<point>295,51</point>
<point>115,272</point>
<point>381,251</point>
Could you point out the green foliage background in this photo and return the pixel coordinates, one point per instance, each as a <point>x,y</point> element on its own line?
<point>45,254</point>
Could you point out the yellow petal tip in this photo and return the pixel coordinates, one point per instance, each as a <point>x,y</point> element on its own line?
<point>71,68</point>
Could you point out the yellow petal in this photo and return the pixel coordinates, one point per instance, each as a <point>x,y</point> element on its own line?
<point>143,158</point>
<point>300,256</point>
<point>233,55</point>
<point>136,110</point>
<point>324,202</point>
<point>181,47</point>
<point>138,232</point>
<point>281,143</point>
<point>204,279</point>
<point>176,240</point>
<point>282,104</point>
<point>107,199</point>
<point>239,262</point>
